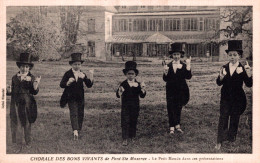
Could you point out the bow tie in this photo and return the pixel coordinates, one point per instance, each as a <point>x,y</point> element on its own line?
<point>23,76</point>
<point>132,83</point>
<point>76,72</point>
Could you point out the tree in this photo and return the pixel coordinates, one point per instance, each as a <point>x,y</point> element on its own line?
<point>70,19</point>
<point>32,31</point>
<point>238,22</point>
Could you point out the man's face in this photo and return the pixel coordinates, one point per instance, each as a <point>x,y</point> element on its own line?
<point>176,56</point>
<point>130,75</point>
<point>233,56</point>
<point>76,66</point>
<point>24,68</point>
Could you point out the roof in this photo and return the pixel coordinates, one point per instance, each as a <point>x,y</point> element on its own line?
<point>159,38</point>
<point>155,38</point>
<point>127,38</point>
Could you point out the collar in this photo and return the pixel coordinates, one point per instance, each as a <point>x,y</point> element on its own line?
<point>75,71</point>
<point>234,65</point>
<point>19,74</point>
<point>176,62</point>
<point>133,81</point>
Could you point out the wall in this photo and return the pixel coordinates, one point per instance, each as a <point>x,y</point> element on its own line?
<point>98,36</point>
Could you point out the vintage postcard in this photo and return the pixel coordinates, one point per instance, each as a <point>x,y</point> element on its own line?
<point>137,81</point>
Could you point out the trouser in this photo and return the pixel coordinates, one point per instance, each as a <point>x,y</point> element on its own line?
<point>20,126</point>
<point>227,127</point>
<point>129,118</point>
<point>76,114</point>
<point>20,132</point>
<point>174,113</point>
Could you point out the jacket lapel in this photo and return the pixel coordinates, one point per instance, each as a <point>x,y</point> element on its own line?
<point>235,72</point>
<point>72,74</point>
<point>170,68</point>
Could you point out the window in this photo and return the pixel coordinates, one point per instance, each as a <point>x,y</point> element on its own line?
<point>130,25</point>
<point>155,25</point>
<point>123,6</point>
<point>91,25</point>
<point>192,49</point>
<point>201,24</point>
<point>172,24</point>
<point>120,25</point>
<point>139,25</point>
<point>190,24</point>
<point>210,24</point>
<point>142,6</point>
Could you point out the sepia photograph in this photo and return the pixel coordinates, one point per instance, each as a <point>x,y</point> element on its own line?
<point>128,79</point>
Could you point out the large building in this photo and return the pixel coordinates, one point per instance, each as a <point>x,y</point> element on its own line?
<point>148,30</point>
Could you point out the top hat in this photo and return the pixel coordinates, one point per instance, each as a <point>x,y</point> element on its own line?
<point>25,58</point>
<point>235,45</point>
<point>76,57</point>
<point>130,65</point>
<point>177,47</point>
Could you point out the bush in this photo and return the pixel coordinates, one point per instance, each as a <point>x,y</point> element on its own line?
<point>34,33</point>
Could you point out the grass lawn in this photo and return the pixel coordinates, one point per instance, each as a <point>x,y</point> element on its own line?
<point>101,133</point>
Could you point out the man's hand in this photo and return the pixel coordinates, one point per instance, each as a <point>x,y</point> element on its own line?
<point>248,70</point>
<point>71,80</point>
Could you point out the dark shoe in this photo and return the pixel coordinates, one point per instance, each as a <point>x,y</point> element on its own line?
<point>133,139</point>
<point>232,139</point>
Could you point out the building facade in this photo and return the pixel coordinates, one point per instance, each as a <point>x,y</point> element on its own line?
<point>133,26</point>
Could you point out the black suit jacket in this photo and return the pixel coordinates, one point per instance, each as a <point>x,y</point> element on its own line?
<point>232,92</point>
<point>75,91</point>
<point>177,90</point>
<point>130,96</point>
<point>23,103</point>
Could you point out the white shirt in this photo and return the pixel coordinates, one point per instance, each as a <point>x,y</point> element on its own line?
<point>76,74</point>
<point>175,65</point>
<point>22,75</point>
<point>232,67</point>
<point>132,83</point>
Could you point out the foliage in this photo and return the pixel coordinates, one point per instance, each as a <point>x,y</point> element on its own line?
<point>235,23</point>
<point>34,32</point>
<point>69,20</point>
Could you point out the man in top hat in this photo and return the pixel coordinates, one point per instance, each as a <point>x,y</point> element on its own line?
<point>177,90</point>
<point>233,98</point>
<point>23,108</point>
<point>73,93</point>
<point>129,91</point>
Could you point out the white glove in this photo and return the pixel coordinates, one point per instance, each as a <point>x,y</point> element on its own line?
<point>224,72</point>
<point>38,79</point>
<point>188,61</point>
<point>9,89</point>
<point>143,85</point>
<point>71,80</point>
<point>91,77</point>
<point>82,75</point>
<point>165,69</point>
<point>248,69</point>
<point>121,90</point>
